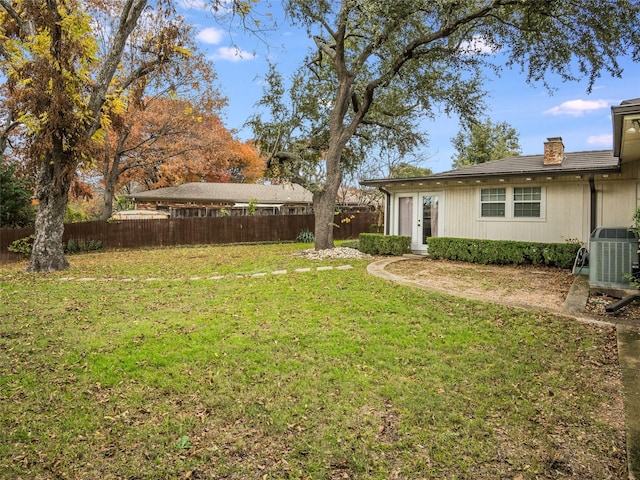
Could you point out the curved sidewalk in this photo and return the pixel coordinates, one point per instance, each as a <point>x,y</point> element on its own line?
<point>628,337</point>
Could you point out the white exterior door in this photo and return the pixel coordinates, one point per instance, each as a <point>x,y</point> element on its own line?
<point>419,216</point>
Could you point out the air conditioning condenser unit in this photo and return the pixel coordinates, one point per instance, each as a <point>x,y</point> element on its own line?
<point>613,257</point>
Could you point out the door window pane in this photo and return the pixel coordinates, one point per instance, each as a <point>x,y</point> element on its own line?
<point>405,214</point>
<point>429,217</point>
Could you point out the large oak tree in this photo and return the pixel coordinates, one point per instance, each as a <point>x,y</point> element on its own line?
<point>378,66</point>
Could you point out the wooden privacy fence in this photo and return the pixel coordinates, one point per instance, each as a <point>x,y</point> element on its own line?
<point>192,231</point>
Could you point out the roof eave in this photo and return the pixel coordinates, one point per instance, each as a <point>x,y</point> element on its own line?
<point>482,176</point>
<point>137,198</point>
<point>618,113</point>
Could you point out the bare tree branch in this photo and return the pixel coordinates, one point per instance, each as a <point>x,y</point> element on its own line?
<point>130,13</point>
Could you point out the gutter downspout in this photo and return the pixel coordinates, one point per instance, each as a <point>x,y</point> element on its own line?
<point>593,219</point>
<point>387,210</point>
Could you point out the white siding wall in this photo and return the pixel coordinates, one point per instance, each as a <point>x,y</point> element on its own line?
<point>564,216</point>
<point>619,197</point>
<point>565,209</point>
<point>617,202</point>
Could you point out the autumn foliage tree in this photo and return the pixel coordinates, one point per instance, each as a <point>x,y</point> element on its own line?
<point>167,142</point>
<point>164,126</point>
<point>59,85</point>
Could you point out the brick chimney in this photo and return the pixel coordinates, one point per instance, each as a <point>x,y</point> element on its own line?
<point>553,151</point>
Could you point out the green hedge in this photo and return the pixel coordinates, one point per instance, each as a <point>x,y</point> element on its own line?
<point>379,244</point>
<point>502,252</point>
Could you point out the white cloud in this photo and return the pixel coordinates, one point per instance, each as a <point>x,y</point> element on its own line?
<point>604,140</point>
<point>232,54</point>
<point>210,35</point>
<point>577,108</point>
<point>477,45</point>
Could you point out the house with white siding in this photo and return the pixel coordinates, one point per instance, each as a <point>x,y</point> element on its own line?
<point>554,197</point>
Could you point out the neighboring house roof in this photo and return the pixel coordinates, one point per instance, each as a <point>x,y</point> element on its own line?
<point>574,163</point>
<point>226,193</point>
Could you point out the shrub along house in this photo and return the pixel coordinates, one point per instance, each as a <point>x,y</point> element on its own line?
<point>221,199</point>
<point>553,197</point>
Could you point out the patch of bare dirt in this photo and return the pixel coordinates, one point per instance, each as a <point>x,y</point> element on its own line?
<point>536,286</point>
<point>532,286</point>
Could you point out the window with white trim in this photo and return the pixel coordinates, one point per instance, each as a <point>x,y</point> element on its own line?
<point>493,202</point>
<point>527,201</point>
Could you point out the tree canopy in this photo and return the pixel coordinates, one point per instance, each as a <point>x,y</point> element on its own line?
<point>407,170</point>
<point>174,142</point>
<point>378,67</point>
<point>485,142</point>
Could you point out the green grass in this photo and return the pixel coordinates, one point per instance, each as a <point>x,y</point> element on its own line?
<point>308,375</point>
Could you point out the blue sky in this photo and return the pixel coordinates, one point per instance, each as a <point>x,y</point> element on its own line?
<point>582,120</point>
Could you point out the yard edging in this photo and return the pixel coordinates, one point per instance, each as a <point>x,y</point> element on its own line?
<point>215,277</point>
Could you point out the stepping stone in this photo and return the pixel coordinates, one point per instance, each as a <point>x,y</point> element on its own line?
<point>300,270</point>
<point>260,274</point>
<point>323,269</point>
<point>344,267</point>
<point>278,272</point>
<point>219,277</point>
<point>86,279</point>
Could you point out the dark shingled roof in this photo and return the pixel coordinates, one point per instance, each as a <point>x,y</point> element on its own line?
<point>228,193</point>
<point>574,163</point>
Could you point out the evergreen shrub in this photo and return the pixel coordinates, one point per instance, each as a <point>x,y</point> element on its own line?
<point>379,244</point>
<point>503,252</point>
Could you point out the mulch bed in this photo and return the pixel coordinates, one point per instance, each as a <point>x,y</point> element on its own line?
<point>598,302</point>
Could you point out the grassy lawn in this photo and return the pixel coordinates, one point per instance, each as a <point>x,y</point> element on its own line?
<point>306,375</point>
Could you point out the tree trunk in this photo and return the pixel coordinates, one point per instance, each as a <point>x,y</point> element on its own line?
<point>107,204</point>
<point>110,175</point>
<point>52,193</point>
<point>324,212</point>
<point>324,202</point>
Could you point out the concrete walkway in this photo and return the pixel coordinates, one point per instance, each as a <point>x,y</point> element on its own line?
<point>629,354</point>
<point>628,336</point>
